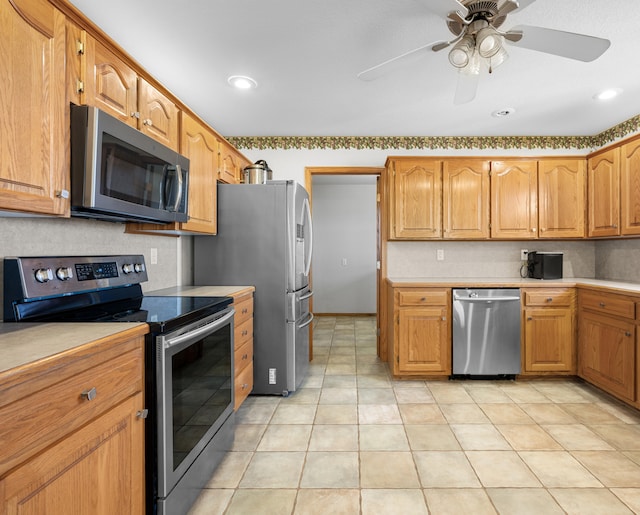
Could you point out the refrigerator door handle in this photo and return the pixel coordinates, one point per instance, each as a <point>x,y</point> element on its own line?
<point>306,296</point>
<point>306,322</point>
<point>307,268</point>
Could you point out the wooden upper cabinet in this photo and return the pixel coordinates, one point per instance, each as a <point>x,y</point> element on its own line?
<point>200,145</point>
<point>561,198</point>
<point>110,84</point>
<point>630,188</point>
<point>465,198</point>
<point>230,163</point>
<point>416,198</point>
<point>514,199</point>
<point>158,115</point>
<point>604,193</point>
<point>34,170</point>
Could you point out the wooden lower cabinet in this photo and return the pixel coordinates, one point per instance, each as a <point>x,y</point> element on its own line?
<point>549,336</point>
<point>64,451</point>
<point>607,343</point>
<point>421,342</point>
<point>243,345</point>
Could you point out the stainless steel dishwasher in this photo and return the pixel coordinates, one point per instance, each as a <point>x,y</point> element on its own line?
<point>486,332</point>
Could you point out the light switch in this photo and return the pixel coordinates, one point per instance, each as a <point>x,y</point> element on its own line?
<point>344,261</point>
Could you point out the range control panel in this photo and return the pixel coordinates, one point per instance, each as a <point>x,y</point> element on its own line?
<point>35,277</point>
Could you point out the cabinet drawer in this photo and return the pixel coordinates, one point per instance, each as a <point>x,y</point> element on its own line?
<point>616,305</point>
<point>244,310</point>
<point>242,333</point>
<point>31,424</point>
<point>243,385</point>
<point>548,298</point>
<point>242,357</point>
<point>423,298</point>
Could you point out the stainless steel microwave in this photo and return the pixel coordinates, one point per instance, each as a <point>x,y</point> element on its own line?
<point>120,174</point>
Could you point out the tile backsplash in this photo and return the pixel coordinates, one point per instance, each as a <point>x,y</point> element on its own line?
<point>484,258</point>
<point>79,237</point>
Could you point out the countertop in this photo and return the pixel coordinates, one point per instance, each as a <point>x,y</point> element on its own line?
<point>28,343</point>
<point>512,282</point>
<point>203,291</point>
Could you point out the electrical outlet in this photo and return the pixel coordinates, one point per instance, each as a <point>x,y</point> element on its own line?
<point>523,254</point>
<point>154,255</point>
<point>440,254</point>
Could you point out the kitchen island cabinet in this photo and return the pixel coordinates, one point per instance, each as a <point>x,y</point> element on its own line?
<point>72,433</point>
<point>421,334</point>
<point>34,173</point>
<point>549,331</point>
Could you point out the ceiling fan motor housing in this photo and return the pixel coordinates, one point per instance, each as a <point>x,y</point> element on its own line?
<point>483,10</point>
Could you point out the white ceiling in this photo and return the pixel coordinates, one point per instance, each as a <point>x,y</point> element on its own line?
<point>305,55</point>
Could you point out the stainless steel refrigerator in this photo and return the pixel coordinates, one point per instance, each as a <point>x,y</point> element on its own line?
<point>265,239</point>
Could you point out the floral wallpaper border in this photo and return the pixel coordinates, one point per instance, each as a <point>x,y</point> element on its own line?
<point>435,142</point>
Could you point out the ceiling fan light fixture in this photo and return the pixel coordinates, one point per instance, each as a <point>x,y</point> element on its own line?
<point>461,53</point>
<point>488,42</point>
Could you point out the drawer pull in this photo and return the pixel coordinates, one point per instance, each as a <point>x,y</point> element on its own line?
<point>143,413</point>
<point>422,299</point>
<point>245,356</point>
<point>245,386</point>
<point>627,333</point>
<point>549,299</point>
<point>245,311</point>
<point>90,394</point>
<point>245,332</point>
<point>602,304</point>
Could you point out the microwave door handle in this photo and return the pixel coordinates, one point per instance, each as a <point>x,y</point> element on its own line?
<point>178,196</point>
<point>163,188</point>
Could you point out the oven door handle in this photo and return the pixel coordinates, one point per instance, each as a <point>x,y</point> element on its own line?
<point>211,327</point>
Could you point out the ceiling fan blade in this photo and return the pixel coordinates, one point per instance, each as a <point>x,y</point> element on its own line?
<point>466,87</point>
<point>402,60</point>
<point>513,35</point>
<point>565,44</point>
<point>507,7</point>
<point>444,7</point>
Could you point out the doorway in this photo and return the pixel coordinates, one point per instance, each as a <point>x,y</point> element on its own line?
<point>349,275</point>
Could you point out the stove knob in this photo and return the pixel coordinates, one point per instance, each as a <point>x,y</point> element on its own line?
<point>138,267</point>
<point>64,273</point>
<point>128,268</point>
<point>44,275</point>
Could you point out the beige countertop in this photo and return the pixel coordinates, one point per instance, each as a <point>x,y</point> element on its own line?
<point>513,282</point>
<point>24,343</point>
<point>204,291</point>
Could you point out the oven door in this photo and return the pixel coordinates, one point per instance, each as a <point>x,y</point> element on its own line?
<point>194,367</point>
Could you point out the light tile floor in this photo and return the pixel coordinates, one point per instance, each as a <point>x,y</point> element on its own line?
<point>354,441</point>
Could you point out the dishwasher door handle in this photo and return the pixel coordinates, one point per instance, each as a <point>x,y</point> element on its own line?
<point>485,299</point>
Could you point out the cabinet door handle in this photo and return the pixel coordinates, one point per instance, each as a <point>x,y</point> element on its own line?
<point>245,385</point>
<point>245,332</point>
<point>444,318</point>
<point>147,122</point>
<point>90,394</point>
<point>143,413</point>
<point>602,304</point>
<point>529,319</point>
<point>549,299</point>
<point>627,333</point>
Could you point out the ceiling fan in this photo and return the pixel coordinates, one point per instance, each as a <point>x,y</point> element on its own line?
<point>478,43</point>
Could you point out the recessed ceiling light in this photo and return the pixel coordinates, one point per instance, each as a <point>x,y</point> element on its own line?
<point>242,82</point>
<point>608,94</point>
<point>501,113</point>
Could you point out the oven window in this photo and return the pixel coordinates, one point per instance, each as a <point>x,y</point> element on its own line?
<point>201,389</point>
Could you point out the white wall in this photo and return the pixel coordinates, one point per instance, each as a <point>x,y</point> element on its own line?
<point>344,234</point>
